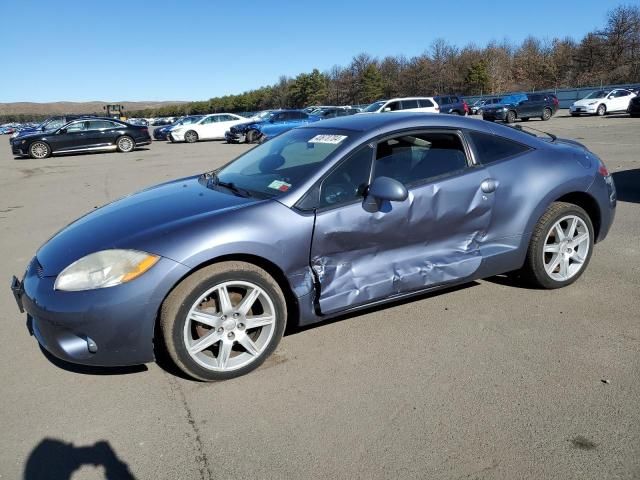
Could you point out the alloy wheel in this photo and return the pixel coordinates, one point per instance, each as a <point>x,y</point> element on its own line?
<point>229,326</point>
<point>39,150</point>
<point>125,144</point>
<point>566,248</point>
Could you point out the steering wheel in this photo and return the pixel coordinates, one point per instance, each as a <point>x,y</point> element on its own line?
<point>337,192</point>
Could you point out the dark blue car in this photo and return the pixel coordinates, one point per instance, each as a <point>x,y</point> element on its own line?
<point>161,133</point>
<point>324,219</point>
<point>268,125</point>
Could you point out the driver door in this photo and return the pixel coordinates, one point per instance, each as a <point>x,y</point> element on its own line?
<point>73,137</point>
<point>364,250</point>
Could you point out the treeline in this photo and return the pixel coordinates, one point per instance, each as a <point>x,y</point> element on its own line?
<point>609,55</point>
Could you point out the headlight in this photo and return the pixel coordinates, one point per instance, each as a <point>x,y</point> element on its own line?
<point>106,268</point>
<point>504,109</point>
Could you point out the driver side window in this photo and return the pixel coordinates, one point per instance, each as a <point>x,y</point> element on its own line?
<point>349,181</point>
<point>77,127</point>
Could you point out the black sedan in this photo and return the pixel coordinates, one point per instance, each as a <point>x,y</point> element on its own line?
<point>82,135</point>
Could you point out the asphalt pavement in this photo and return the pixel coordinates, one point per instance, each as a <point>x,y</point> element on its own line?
<point>487,381</point>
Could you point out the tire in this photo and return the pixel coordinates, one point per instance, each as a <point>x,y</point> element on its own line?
<point>191,136</point>
<point>546,114</point>
<point>125,144</point>
<point>225,333</point>
<point>252,136</point>
<point>511,116</point>
<point>39,150</point>
<point>544,268</point>
<point>479,112</point>
<point>602,110</point>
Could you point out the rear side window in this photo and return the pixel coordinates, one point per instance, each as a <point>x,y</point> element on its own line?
<point>416,158</point>
<point>407,104</point>
<point>425,103</point>
<point>491,148</point>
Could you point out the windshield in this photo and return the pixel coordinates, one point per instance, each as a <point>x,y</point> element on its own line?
<point>282,163</point>
<point>264,114</point>
<point>374,106</point>
<point>188,120</point>
<point>597,94</point>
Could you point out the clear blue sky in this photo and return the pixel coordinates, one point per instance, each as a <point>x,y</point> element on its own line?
<point>113,50</point>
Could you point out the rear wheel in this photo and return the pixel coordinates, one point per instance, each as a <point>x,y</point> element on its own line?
<point>191,137</point>
<point>252,136</point>
<point>125,144</point>
<point>602,110</point>
<point>39,150</point>
<point>511,116</point>
<point>560,247</point>
<point>546,114</point>
<point>223,321</point>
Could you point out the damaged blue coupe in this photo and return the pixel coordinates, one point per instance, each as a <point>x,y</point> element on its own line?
<point>321,220</point>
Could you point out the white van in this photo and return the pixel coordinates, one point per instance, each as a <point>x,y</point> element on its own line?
<point>407,104</point>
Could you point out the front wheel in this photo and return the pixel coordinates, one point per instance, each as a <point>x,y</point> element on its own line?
<point>560,247</point>
<point>252,136</point>
<point>602,110</point>
<point>223,321</point>
<point>546,114</point>
<point>39,150</point>
<point>511,116</point>
<point>125,144</point>
<point>191,137</point>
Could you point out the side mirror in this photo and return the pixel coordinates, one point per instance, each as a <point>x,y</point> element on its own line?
<point>385,188</point>
<point>386,109</point>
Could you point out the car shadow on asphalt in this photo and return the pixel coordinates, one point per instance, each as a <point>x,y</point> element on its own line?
<point>91,370</point>
<point>56,459</point>
<point>627,185</point>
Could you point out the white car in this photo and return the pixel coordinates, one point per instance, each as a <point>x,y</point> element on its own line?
<point>602,102</point>
<point>210,127</point>
<point>408,104</point>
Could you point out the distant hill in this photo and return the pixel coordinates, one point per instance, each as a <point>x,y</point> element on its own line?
<point>56,108</point>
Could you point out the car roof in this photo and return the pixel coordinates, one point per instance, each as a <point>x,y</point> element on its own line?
<point>374,124</point>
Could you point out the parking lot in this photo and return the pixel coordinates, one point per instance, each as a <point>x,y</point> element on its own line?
<point>490,380</point>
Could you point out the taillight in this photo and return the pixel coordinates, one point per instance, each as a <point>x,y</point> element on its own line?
<point>602,170</point>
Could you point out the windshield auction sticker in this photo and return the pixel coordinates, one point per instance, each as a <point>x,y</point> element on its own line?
<point>333,139</point>
<point>280,185</point>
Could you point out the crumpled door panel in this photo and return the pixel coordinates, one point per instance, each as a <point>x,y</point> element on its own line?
<point>433,237</point>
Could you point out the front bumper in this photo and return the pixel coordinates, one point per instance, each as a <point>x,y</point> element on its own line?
<point>175,136</point>
<point>586,109</point>
<point>494,114</point>
<point>19,148</point>
<point>232,137</point>
<point>104,327</point>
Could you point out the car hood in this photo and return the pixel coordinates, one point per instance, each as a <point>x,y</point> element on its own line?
<point>133,220</point>
<point>586,101</point>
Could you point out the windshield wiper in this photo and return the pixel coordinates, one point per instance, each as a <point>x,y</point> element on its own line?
<point>213,179</point>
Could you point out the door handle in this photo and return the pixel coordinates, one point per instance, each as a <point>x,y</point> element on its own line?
<point>489,185</point>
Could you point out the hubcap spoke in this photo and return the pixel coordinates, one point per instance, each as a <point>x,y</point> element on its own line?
<point>248,301</point>
<point>248,345</point>
<point>564,267</point>
<point>552,248</point>
<point>224,353</point>
<point>560,236</point>
<point>205,318</point>
<point>572,228</point>
<point>225,301</point>
<point>553,264</point>
<point>579,239</point>
<point>204,342</point>
<point>259,321</point>
<point>577,258</point>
